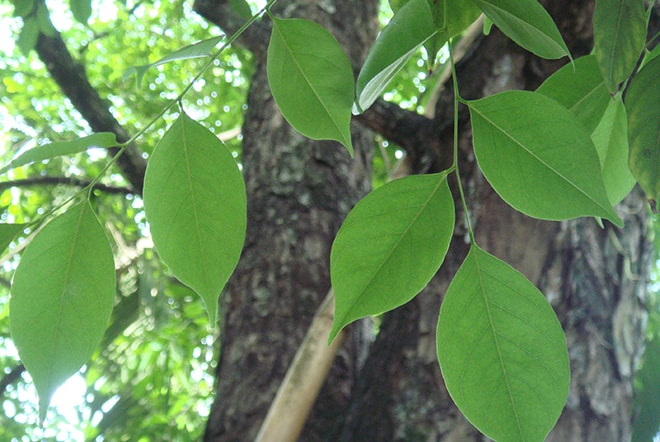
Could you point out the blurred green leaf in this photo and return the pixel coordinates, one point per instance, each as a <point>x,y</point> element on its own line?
<point>9,232</point>
<point>81,10</point>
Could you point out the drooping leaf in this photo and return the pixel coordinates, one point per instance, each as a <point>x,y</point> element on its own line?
<point>502,351</point>
<point>528,24</point>
<point>242,8</point>
<point>200,49</point>
<point>43,20</point>
<point>312,84</point>
<point>27,39</point>
<point>8,232</point>
<point>23,8</point>
<point>390,246</point>
<point>641,101</point>
<point>580,88</point>
<point>538,158</point>
<point>60,148</point>
<point>81,10</point>
<point>62,297</point>
<point>611,141</point>
<point>410,27</point>
<point>619,36</point>
<point>194,199</point>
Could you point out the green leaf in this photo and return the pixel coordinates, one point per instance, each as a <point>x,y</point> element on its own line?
<point>81,10</point>
<point>200,49</point>
<point>454,16</point>
<point>619,36</point>
<point>194,198</point>
<point>8,232</point>
<point>241,8</point>
<point>52,150</point>
<point>611,141</point>
<point>23,8</point>
<point>27,39</point>
<point>502,351</point>
<point>580,88</point>
<point>390,246</point>
<point>311,83</point>
<point>410,27</point>
<point>538,158</point>
<point>43,20</point>
<point>642,100</point>
<point>528,24</point>
<point>62,297</point>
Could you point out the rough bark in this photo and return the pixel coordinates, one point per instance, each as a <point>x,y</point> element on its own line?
<point>593,277</point>
<point>298,193</point>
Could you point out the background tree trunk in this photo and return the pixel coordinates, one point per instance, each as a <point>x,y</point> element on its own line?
<point>299,191</point>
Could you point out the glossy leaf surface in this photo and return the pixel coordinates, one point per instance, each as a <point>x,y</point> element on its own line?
<point>194,198</point>
<point>642,100</point>
<point>502,351</point>
<point>528,24</point>
<point>410,27</point>
<point>62,297</point>
<point>390,246</point>
<point>580,88</point>
<point>312,84</point>
<point>60,148</point>
<point>619,36</point>
<point>538,158</point>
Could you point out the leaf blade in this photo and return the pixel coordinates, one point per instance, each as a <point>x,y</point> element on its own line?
<point>57,320</point>
<point>528,24</point>
<point>412,219</point>
<point>61,148</point>
<point>194,198</point>
<point>491,322</point>
<point>313,86</point>
<point>529,148</point>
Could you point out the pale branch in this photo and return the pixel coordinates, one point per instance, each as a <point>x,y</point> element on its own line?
<point>72,80</point>
<point>10,378</point>
<point>69,181</point>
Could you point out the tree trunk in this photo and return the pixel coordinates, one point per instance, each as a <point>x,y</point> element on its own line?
<point>298,193</point>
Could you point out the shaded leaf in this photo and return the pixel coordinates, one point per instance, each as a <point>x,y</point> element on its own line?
<point>62,297</point>
<point>81,10</point>
<point>611,141</point>
<point>390,246</point>
<point>194,199</point>
<point>200,49</point>
<point>27,39</point>
<point>580,88</point>
<point>59,148</point>
<point>241,8</point>
<point>619,36</point>
<point>528,24</point>
<point>8,232</point>
<point>502,351</point>
<point>43,20</point>
<point>410,27</point>
<point>538,158</point>
<point>642,98</point>
<point>311,83</point>
<point>23,8</point>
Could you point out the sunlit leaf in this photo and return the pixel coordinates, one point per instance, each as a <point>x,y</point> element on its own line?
<point>390,246</point>
<point>619,36</point>
<point>538,158</point>
<point>313,84</point>
<point>410,27</point>
<point>642,100</point>
<point>502,351</point>
<point>61,298</point>
<point>528,24</point>
<point>194,198</point>
<point>200,49</point>
<point>611,141</point>
<point>8,232</point>
<point>580,88</point>
<point>60,148</point>
<point>81,10</point>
